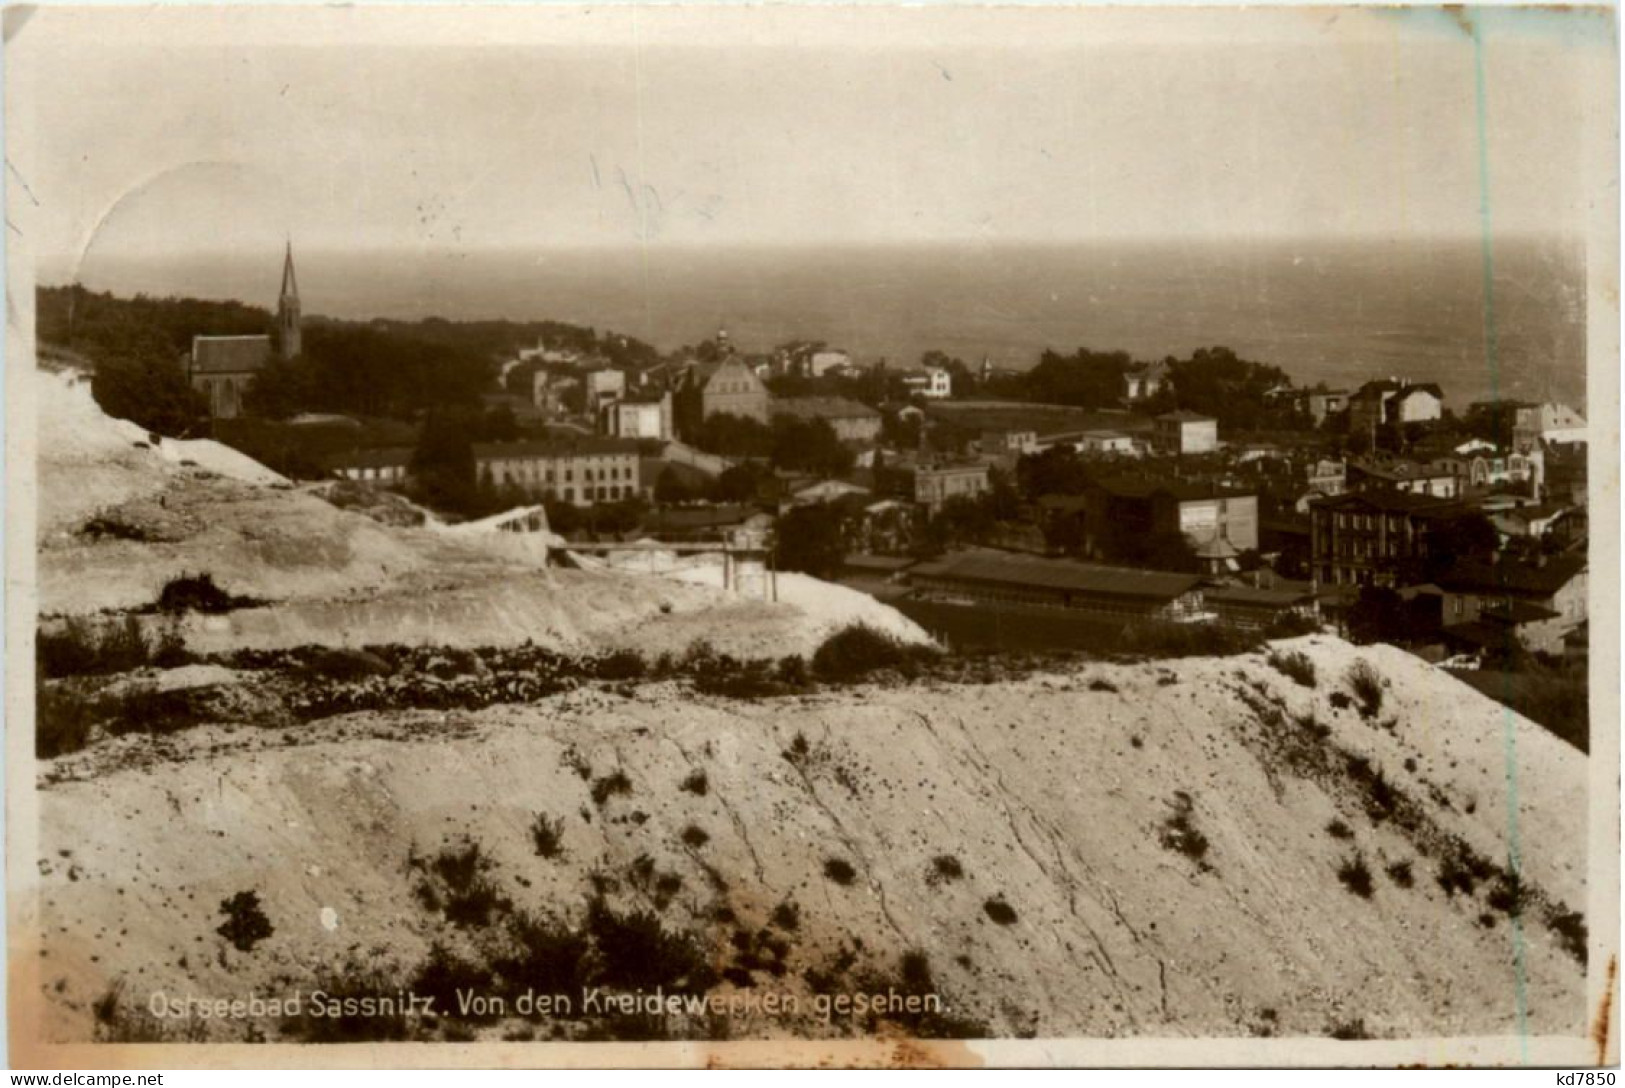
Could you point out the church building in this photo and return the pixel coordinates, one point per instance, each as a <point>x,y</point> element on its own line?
<point>223,367</point>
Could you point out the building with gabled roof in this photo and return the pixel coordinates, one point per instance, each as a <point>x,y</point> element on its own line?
<point>223,367</point>
<point>1008,577</point>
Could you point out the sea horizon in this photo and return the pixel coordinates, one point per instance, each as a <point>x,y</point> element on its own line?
<point>1340,310</point>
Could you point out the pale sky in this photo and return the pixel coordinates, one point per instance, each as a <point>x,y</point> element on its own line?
<point>171,131</point>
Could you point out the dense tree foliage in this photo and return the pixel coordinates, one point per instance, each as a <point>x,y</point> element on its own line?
<point>151,390</point>
<point>811,540</point>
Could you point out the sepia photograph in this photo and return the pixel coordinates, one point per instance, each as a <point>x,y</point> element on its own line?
<point>796,535</point>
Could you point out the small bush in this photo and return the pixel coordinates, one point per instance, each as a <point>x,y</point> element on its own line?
<point>444,974</point>
<point>787,916</point>
<point>1000,912</point>
<point>196,593</point>
<point>1291,625</point>
<point>1167,640</point>
<point>341,663</point>
<point>1340,700</point>
<point>1348,1030</point>
<point>636,951</point>
<point>1355,875</point>
<point>63,721</point>
<point>1337,829</point>
<point>1366,684</point>
<point>1294,665</point>
<point>622,665</point>
<point>1570,927</point>
<point>1400,873</point>
<point>611,785</point>
<point>246,924</point>
<point>547,835</point>
<point>695,836</point>
<point>945,868</point>
<point>792,670</point>
<point>80,648</point>
<point>840,871</point>
<point>1102,685</point>
<point>357,989</point>
<point>540,955</point>
<point>696,783</point>
<point>857,650</point>
<point>144,708</point>
<point>457,883</point>
<point>1460,870</point>
<point>1180,834</point>
<point>1508,895</point>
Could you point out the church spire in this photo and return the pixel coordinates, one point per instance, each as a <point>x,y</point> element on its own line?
<point>287,309</point>
<point>290,286</point>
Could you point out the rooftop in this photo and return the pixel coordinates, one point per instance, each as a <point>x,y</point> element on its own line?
<point>1541,579</point>
<point>823,408</point>
<point>1007,568</point>
<point>564,447</point>
<point>229,354</point>
<point>1185,416</point>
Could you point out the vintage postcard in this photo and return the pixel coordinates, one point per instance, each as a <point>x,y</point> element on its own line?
<point>811,535</point>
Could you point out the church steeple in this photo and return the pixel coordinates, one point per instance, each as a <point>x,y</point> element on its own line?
<point>287,309</point>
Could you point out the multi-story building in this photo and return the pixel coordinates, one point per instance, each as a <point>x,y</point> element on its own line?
<point>934,485</point>
<point>579,471</point>
<point>641,415</point>
<point>1491,468</point>
<point>851,421</point>
<point>1394,401</point>
<point>1187,432</point>
<point>1144,381</point>
<point>387,465</point>
<point>935,383</point>
<point>730,387</point>
<point>604,387</point>
<point>1145,507</point>
<point>1394,474</point>
<point>1536,423</point>
<point>1541,601</point>
<point>1373,537</point>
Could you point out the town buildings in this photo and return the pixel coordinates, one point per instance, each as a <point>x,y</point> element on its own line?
<point>1139,507</point>
<point>223,367</point>
<point>604,387</point>
<point>1373,537</point>
<point>640,415</point>
<point>728,386</point>
<point>387,466</point>
<point>1396,474</point>
<point>1389,401</point>
<point>1001,443</point>
<point>1186,432</point>
<point>1539,602</point>
<point>934,485</point>
<point>934,383</point>
<point>1104,442</point>
<point>581,471</point>
<point>1536,423</point>
<point>850,420</point>
<point>1003,577</point>
<point>1144,381</point>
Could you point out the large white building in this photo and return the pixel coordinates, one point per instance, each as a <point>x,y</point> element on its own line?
<point>1548,423</point>
<point>639,416</point>
<point>934,382</point>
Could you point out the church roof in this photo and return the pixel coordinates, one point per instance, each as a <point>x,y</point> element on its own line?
<point>229,354</point>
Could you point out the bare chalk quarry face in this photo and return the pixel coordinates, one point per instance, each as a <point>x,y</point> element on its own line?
<point>426,771</point>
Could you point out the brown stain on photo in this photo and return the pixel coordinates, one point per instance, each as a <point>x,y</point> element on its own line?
<point>1601,1026</point>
